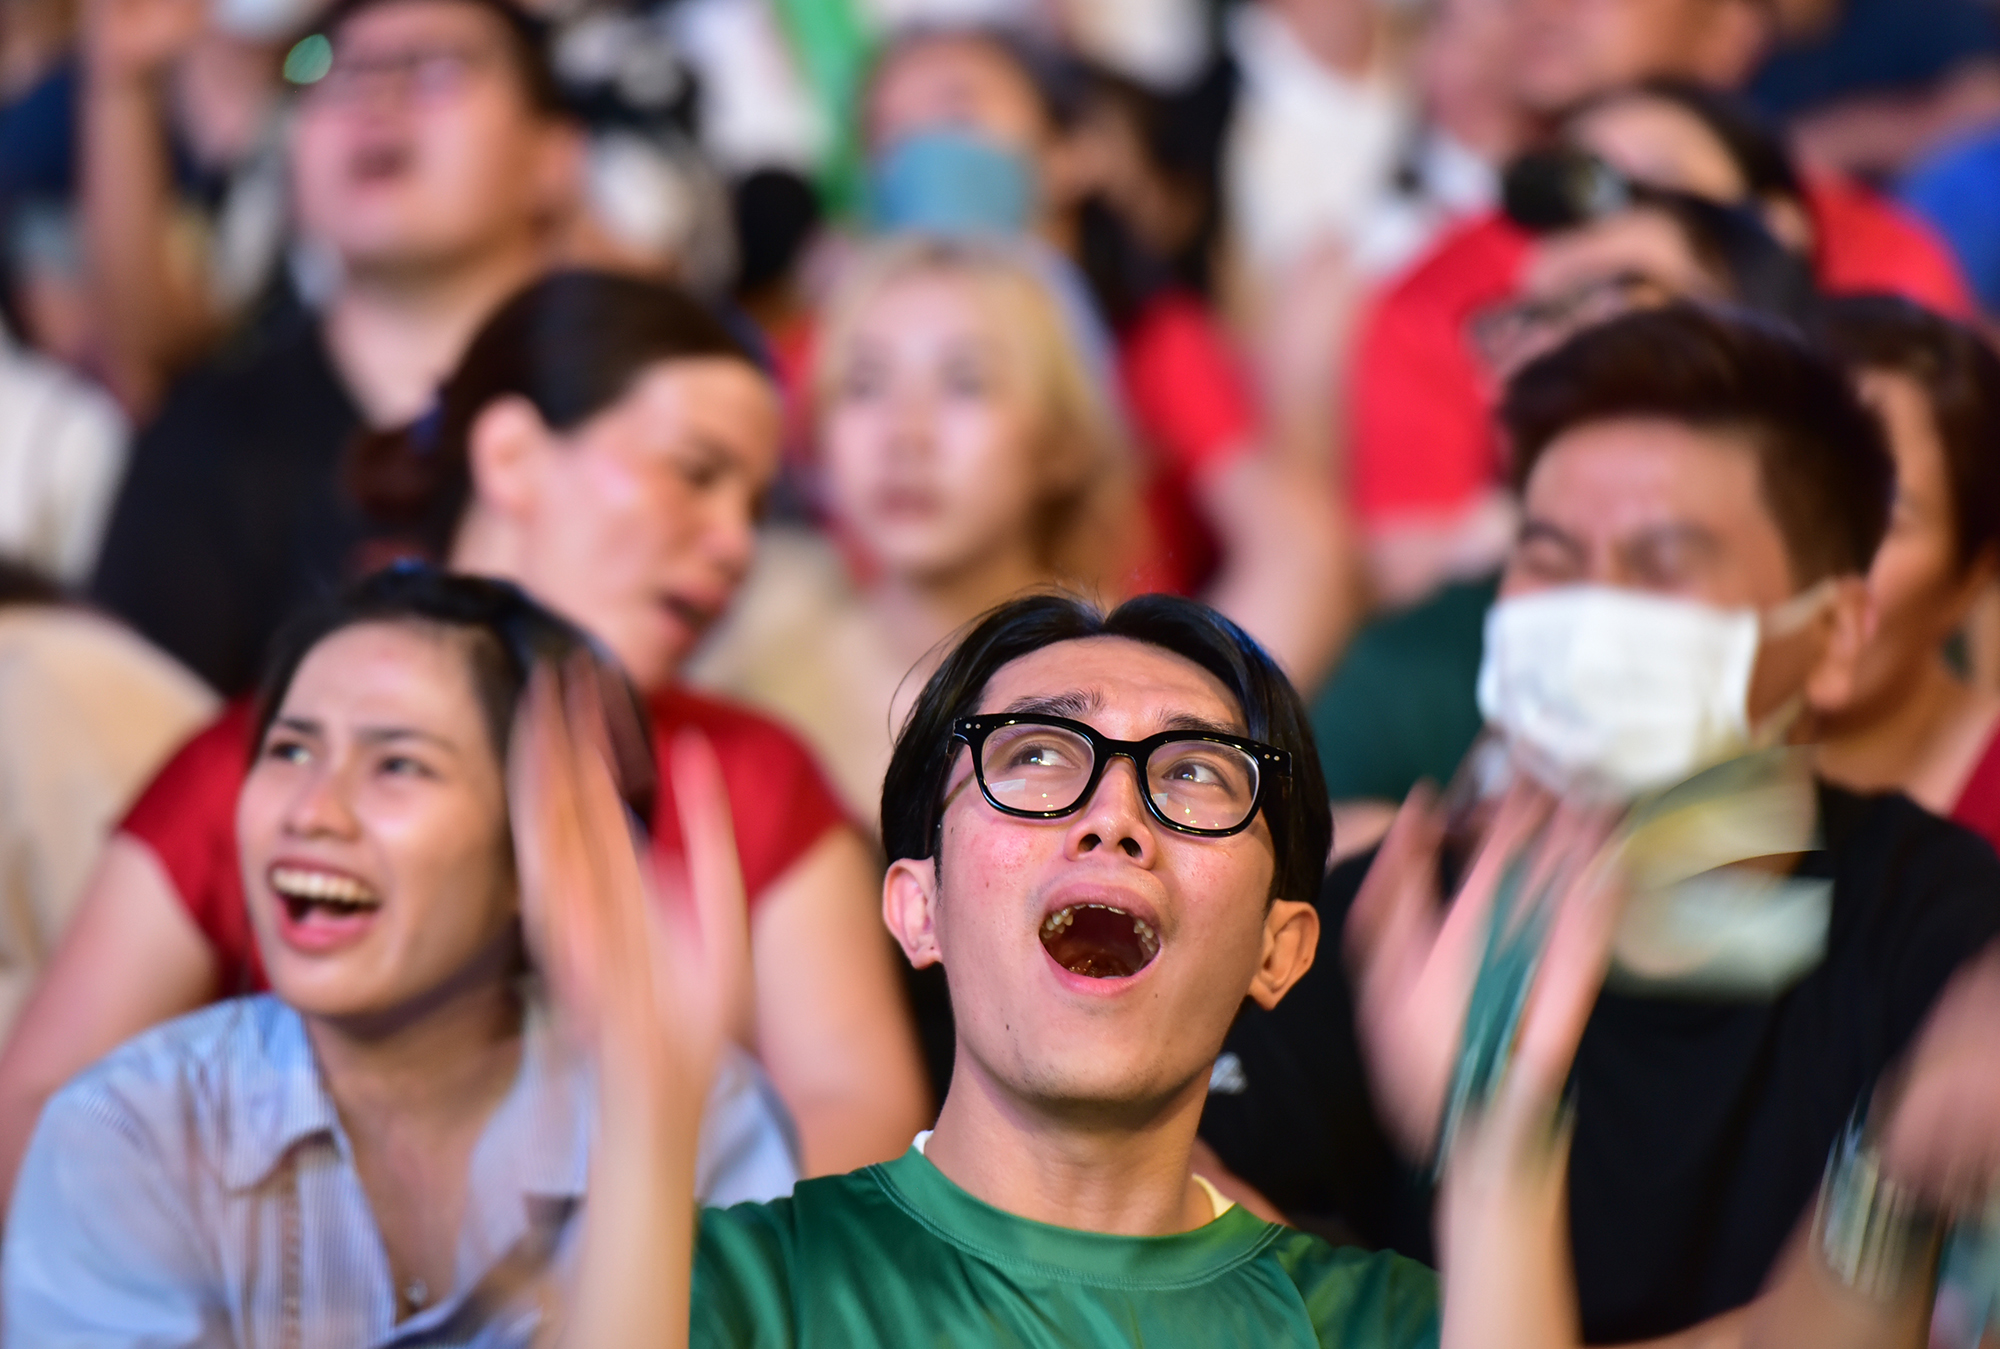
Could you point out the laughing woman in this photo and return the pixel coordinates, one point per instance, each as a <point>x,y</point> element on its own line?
<point>390,1143</point>
<point>604,444</point>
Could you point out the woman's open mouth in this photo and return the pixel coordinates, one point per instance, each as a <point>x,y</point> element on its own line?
<point>1099,941</point>
<point>319,909</point>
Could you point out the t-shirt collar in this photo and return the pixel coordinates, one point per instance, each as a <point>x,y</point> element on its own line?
<point>915,1185</point>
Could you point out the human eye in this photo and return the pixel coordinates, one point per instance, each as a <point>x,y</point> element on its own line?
<point>965,376</point>
<point>703,468</point>
<point>1039,753</point>
<point>406,766</point>
<point>286,749</point>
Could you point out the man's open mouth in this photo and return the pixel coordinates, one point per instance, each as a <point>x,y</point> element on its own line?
<point>1099,941</point>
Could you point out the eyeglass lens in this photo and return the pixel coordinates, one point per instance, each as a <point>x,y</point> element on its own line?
<point>1197,784</point>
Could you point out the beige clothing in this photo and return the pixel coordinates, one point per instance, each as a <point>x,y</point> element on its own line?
<point>88,712</point>
<point>62,453</point>
<point>800,645</point>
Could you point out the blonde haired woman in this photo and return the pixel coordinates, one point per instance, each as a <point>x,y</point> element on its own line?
<point>967,451</point>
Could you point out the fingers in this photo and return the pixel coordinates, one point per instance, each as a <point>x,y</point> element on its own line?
<point>1399,894</point>
<point>718,906</point>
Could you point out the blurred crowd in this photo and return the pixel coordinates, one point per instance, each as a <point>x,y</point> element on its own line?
<point>774,344</point>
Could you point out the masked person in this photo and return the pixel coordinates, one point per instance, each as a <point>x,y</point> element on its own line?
<point>371,1151</point>
<point>604,443</point>
<point>1102,825</point>
<point>1425,465</point>
<point>977,131</point>
<point>1702,496</point>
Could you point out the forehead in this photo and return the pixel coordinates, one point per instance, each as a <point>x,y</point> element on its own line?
<point>952,81</point>
<point>406,674</point>
<point>716,400</point>
<point>402,23</point>
<point>1609,482</point>
<point>1127,689</point>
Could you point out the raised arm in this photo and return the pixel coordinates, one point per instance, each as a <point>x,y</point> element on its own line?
<point>648,989</point>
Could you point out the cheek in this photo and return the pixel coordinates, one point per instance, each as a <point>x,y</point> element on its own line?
<point>988,467</point>
<point>259,811</point>
<point>852,441</point>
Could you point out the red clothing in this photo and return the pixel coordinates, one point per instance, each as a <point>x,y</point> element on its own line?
<point>1978,807</point>
<point>779,806</point>
<point>1422,437</point>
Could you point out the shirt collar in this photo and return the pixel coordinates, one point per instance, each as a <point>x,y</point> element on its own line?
<point>540,1133</point>
<point>269,1066</point>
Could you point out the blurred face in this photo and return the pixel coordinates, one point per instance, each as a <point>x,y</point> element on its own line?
<point>419,147</point>
<point>959,83</point>
<point>1573,280</point>
<point>1570,49</point>
<point>373,829</point>
<point>1919,592</point>
<point>928,440</point>
<point>1661,144</point>
<point>639,524</point>
<point>1655,505</point>
<point>1019,905</point>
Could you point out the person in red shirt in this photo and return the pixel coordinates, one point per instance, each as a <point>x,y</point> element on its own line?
<point>1426,466</point>
<point>604,443</point>
<point>1912,723</point>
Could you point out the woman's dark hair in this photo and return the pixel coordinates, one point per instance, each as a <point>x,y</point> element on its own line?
<point>1824,467</point>
<point>571,344</point>
<point>508,637</point>
<point>1960,378</point>
<point>913,789</point>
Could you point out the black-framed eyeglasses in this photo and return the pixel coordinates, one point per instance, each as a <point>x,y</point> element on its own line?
<point>1044,767</point>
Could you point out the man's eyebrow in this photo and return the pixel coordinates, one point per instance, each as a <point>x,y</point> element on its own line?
<point>389,735</point>
<point>1074,704</point>
<point>1187,721</point>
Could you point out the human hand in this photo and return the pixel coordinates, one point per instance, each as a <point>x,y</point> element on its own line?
<point>1415,964</point>
<point>647,964</point>
<point>1941,1133</point>
<point>135,40</point>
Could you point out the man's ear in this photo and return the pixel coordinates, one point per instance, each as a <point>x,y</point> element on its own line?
<point>1850,624</point>
<point>1291,939</point>
<point>909,908</point>
<point>501,449</point>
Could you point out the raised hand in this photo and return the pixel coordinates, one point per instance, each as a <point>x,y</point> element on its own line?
<point>127,40</point>
<point>647,964</point>
<point>1415,962</point>
<point>1940,1114</point>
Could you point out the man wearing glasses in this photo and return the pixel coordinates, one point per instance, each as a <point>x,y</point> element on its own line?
<point>1106,828</point>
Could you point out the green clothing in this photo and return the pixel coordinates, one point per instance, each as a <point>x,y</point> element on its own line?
<point>1401,706</point>
<point>897,1255</point>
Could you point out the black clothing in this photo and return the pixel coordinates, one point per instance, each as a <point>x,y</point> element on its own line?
<point>1702,1127</point>
<point>232,513</point>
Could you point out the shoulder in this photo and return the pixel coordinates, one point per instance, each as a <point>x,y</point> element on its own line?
<point>157,1089</point>
<point>739,733</point>
<point>1470,264</point>
<point>1871,243</point>
<point>283,374</point>
<point>199,783</point>
<point>1359,1297</point>
<point>750,1258</point>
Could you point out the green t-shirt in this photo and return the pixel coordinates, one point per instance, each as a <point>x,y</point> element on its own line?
<point>897,1255</point>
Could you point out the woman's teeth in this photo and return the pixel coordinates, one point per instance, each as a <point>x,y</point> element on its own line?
<point>1099,940</point>
<point>307,887</point>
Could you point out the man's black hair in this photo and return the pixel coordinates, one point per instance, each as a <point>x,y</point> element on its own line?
<point>1822,461</point>
<point>1296,811</point>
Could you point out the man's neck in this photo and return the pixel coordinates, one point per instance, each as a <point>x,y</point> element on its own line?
<point>395,335</point>
<point>1125,1177</point>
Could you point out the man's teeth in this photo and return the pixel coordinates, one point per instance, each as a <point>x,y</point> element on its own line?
<point>320,887</point>
<point>1061,919</point>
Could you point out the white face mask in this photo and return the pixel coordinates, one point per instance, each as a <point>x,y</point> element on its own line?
<point>1618,692</point>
